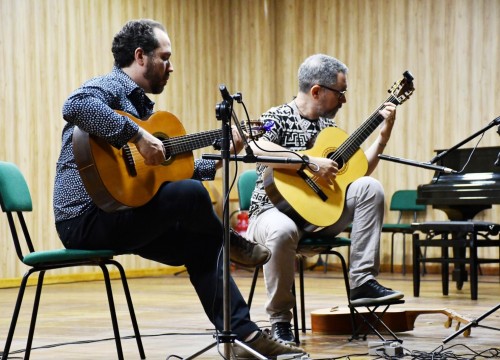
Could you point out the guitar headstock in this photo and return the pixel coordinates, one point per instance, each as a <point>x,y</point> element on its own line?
<point>402,89</point>
<point>254,129</point>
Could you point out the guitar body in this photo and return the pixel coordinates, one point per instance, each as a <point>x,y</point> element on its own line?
<point>293,196</point>
<point>109,179</point>
<point>337,321</point>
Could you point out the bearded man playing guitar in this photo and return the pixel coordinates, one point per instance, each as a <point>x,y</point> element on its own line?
<point>178,225</point>
<point>322,92</point>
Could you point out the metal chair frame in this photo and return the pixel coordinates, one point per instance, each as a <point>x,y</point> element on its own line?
<point>403,201</point>
<point>15,199</point>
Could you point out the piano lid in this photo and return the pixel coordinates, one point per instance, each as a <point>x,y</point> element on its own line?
<point>482,160</point>
<point>465,194</point>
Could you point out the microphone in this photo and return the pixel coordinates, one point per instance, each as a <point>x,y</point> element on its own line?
<point>225,94</point>
<point>429,166</point>
<point>229,99</point>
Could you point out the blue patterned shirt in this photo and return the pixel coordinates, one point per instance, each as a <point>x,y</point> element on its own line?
<point>91,108</point>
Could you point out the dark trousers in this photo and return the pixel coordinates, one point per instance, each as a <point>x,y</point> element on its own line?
<point>177,227</point>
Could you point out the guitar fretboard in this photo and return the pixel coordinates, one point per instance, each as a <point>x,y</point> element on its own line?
<point>354,141</point>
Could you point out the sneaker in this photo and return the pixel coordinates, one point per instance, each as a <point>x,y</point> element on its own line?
<point>283,331</point>
<point>265,345</point>
<point>371,292</point>
<point>247,253</point>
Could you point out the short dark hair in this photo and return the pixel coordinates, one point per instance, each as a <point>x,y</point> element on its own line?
<point>134,34</point>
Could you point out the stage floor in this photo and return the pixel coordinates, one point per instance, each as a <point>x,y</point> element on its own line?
<point>172,321</point>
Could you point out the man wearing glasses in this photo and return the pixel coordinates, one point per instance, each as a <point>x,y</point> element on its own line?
<point>322,92</point>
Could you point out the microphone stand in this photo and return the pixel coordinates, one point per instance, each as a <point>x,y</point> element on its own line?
<point>483,130</point>
<point>429,165</point>
<point>474,323</point>
<point>224,112</point>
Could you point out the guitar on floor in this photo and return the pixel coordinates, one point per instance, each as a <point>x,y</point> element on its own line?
<point>338,321</point>
<point>118,179</point>
<point>308,199</point>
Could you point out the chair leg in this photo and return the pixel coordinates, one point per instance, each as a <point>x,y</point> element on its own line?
<point>404,254</point>
<point>15,315</point>
<point>445,271</point>
<point>424,256</point>
<point>252,287</point>
<point>302,295</point>
<point>416,265</point>
<point>392,252</point>
<point>345,271</point>
<point>474,265</point>
<point>112,310</point>
<point>295,317</point>
<point>34,313</point>
<point>131,310</point>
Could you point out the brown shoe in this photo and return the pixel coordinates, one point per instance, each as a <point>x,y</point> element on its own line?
<point>247,253</point>
<point>265,345</point>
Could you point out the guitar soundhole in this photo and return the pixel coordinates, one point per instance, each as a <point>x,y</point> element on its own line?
<point>167,150</point>
<point>337,159</point>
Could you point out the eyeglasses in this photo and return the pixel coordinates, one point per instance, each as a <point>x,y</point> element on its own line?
<point>341,94</point>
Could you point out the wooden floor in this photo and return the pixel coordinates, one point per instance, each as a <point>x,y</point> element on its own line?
<point>75,317</point>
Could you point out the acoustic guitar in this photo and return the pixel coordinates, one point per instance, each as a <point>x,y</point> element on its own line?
<point>337,321</point>
<point>308,199</point>
<point>118,179</point>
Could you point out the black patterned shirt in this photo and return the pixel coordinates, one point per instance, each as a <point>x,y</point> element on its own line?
<point>91,108</point>
<point>291,131</point>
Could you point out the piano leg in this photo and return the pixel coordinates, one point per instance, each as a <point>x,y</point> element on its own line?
<point>459,274</point>
<point>444,266</point>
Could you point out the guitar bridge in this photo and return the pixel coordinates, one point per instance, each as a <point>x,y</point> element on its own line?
<point>128,159</point>
<point>310,182</point>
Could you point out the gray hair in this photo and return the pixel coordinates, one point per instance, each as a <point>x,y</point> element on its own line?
<point>319,69</point>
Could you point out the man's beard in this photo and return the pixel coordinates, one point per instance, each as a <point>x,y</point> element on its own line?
<point>331,114</point>
<point>155,83</point>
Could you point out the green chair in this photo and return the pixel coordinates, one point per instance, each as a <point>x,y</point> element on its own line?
<point>246,185</point>
<point>404,202</point>
<point>15,200</point>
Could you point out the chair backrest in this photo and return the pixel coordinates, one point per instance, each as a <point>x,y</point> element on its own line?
<point>15,198</point>
<point>14,192</point>
<point>246,184</point>
<point>406,200</point>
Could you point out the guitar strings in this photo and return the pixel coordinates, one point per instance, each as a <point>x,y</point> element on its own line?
<point>178,144</point>
<point>346,146</point>
<point>367,124</point>
<point>181,141</point>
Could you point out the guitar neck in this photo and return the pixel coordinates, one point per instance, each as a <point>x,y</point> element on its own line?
<point>354,141</point>
<point>186,143</point>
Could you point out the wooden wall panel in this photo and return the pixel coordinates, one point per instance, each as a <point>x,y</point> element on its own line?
<point>50,47</point>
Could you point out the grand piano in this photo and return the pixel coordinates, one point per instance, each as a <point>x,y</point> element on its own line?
<point>462,196</point>
<point>465,194</point>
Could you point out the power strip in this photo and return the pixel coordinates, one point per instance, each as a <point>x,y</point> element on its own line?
<point>389,348</point>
